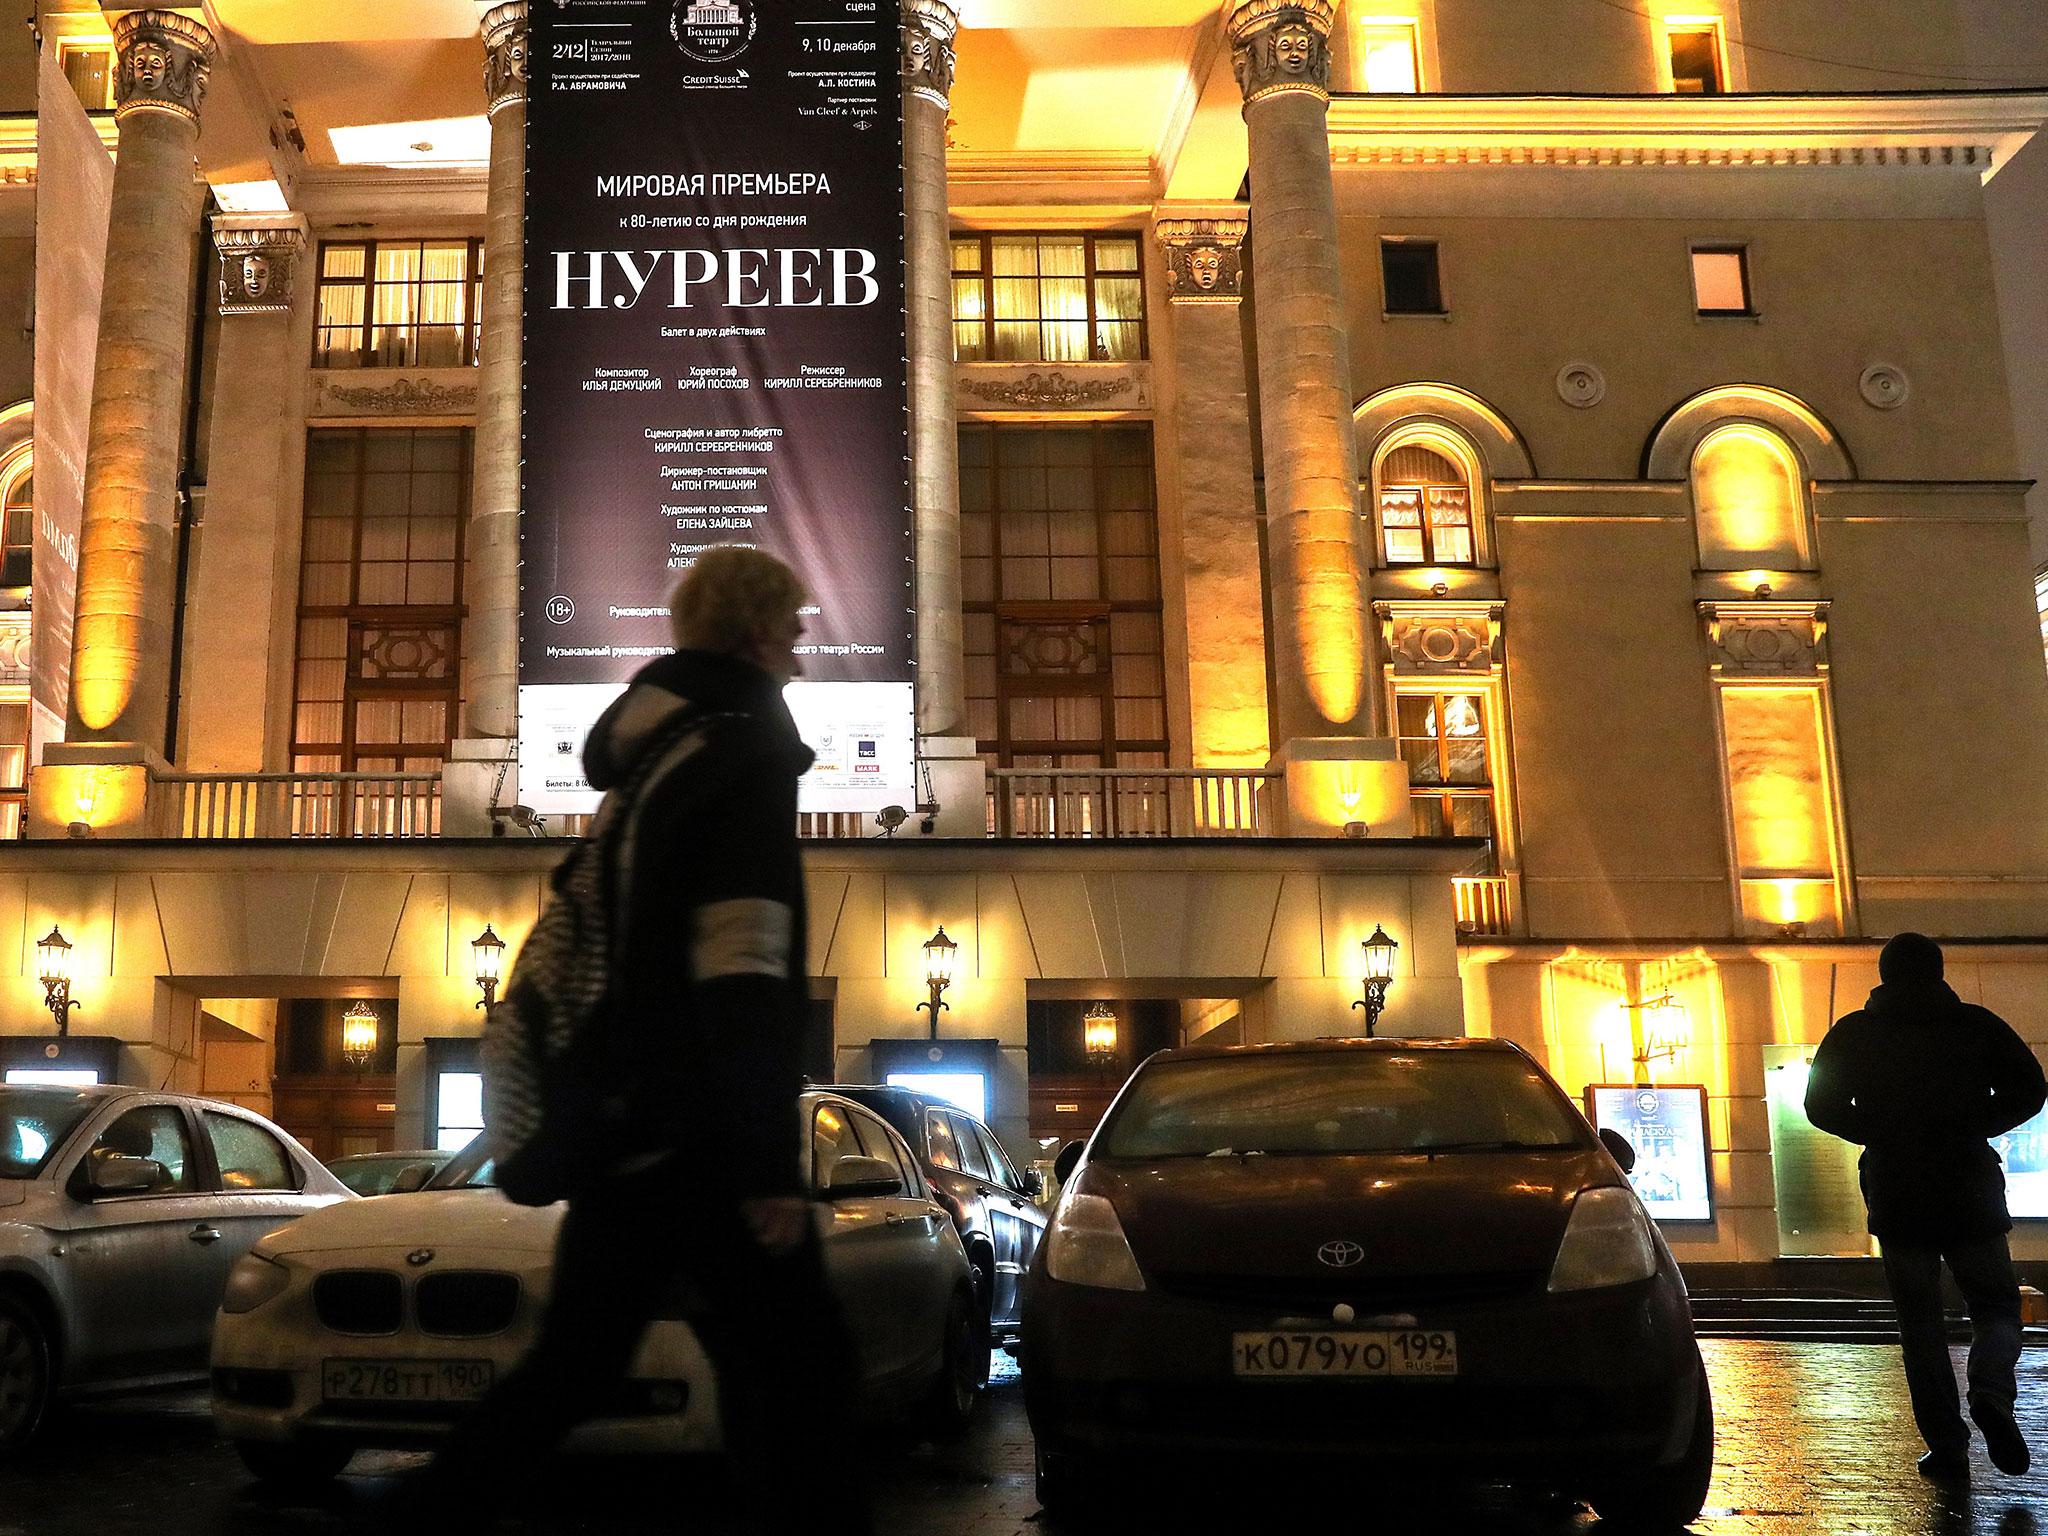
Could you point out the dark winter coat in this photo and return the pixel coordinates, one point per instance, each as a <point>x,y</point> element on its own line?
<point>1923,1080</point>
<point>710,1000</point>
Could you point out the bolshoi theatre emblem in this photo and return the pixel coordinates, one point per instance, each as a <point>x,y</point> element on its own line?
<point>713,31</point>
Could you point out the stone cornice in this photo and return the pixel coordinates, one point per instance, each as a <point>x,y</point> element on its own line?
<point>1978,131</point>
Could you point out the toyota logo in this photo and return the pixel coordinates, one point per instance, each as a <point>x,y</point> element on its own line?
<point>1340,1254</point>
<point>420,1256</point>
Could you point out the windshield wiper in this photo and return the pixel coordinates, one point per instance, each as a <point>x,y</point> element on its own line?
<point>1236,1152</point>
<point>1492,1146</point>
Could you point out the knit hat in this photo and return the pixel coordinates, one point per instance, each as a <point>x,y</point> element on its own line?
<point>1909,957</point>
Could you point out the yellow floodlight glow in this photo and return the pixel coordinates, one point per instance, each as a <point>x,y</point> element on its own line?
<point>1747,495</point>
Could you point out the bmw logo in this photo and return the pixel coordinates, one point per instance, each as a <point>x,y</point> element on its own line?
<point>1340,1254</point>
<point>420,1256</point>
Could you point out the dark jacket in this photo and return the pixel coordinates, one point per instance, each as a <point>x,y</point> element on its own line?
<point>710,1000</point>
<point>1923,1080</point>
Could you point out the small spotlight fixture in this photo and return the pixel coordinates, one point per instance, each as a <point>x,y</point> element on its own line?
<point>1357,829</point>
<point>889,818</point>
<point>939,954</point>
<point>488,951</point>
<point>1380,950</point>
<point>1763,590</point>
<point>359,1036</point>
<point>53,966</point>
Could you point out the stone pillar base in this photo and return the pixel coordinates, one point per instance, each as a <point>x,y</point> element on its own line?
<point>97,789</point>
<point>1339,782</point>
<point>959,782</point>
<point>470,786</point>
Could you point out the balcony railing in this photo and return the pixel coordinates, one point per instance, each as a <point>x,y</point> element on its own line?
<point>240,806</point>
<point>1483,909</point>
<point>1129,802</point>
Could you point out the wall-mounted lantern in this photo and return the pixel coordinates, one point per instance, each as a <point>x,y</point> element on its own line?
<point>1380,950</point>
<point>359,1036</point>
<point>939,954</point>
<point>53,965</point>
<point>488,952</point>
<point>1098,1035</point>
<point>1660,1029</point>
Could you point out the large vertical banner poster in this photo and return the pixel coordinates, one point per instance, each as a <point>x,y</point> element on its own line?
<point>715,354</point>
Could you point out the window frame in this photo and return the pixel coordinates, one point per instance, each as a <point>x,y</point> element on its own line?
<point>1739,249</point>
<point>986,238</point>
<point>1449,445</point>
<point>1691,24</point>
<point>1364,25</point>
<point>1438,689</point>
<point>365,349</point>
<point>1109,748</point>
<point>1435,247</point>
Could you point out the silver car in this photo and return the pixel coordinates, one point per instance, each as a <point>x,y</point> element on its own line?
<point>121,1213</point>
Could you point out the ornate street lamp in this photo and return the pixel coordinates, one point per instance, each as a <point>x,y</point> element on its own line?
<point>53,964</point>
<point>359,1036</point>
<point>1098,1035</point>
<point>939,954</point>
<point>488,951</point>
<point>1379,975</point>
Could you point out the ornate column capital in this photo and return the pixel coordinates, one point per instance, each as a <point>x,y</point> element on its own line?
<point>259,261</point>
<point>505,43</point>
<point>1281,45</point>
<point>164,58</point>
<point>929,27</point>
<point>1204,258</point>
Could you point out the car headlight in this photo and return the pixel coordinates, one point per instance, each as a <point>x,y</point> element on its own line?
<point>1086,1246</point>
<point>1606,1242</point>
<point>254,1281</point>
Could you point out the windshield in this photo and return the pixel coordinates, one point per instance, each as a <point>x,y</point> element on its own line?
<point>467,1169</point>
<point>1334,1103</point>
<point>33,1124</point>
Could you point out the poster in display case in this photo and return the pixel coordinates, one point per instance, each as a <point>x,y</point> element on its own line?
<point>2025,1154</point>
<point>1667,1126</point>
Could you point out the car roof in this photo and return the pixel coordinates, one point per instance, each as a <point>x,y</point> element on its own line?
<point>867,1093</point>
<point>1403,1045</point>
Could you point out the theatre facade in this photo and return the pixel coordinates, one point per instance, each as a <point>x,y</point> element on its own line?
<point>1432,516</point>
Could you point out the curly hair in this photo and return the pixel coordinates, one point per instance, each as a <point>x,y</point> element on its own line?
<point>732,594</point>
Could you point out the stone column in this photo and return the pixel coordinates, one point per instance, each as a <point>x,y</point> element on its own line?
<point>1321,659</point>
<point>1226,630</point>
<point>121,648</point>
<point>239,624</point>
<point>929,27</point>
<point>476,779</point>
<point>490,630</point>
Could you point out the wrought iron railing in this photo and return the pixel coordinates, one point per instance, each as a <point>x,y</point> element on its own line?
<point>241,806</point>
<point>1130,802</point>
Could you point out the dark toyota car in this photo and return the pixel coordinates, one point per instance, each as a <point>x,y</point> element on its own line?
<point>994,1207</point>
<point>1404,1250</point>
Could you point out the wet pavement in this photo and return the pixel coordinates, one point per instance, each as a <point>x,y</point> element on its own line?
<point>1814,1440</point>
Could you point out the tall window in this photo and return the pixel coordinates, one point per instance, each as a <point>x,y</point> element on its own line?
<point>1693,61</point>
<point>14,720</point>
<point>1444,741</point>
<point>380,617</point>
<point>1781,803</point>
<point>399,304</point>
<point>1060,571</point>
<point>1425,508</point>
<point>1387,55</point>
<point>1047,298</point>
<point>17,532</point>
<point>1749,501</point>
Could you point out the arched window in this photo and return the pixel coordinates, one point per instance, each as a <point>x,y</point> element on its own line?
<point>17,531</point>
<point>1749,501</point>
<point>1423,489</point>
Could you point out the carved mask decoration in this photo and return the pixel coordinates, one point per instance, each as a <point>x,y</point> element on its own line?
<point>1205,268</point>
<point>515,58</point>
<point>149,64</point>
<point>255,275</point>
<point>917,50</point>
<point>1294,49</point>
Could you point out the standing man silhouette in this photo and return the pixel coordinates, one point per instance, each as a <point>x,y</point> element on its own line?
<point>1923,1080</point>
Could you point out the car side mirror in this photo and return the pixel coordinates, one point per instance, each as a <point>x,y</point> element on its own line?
<point>125,1175</point>
<point>852,1177</point>
<point>412,1178</point>
<point>1070,1154</point>
<point>1034,1183</point>
<point>1618,1148</point>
